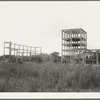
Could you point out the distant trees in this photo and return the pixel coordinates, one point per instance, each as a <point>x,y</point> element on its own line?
<point>55,57</point>
<point>45,57</point>
<point>41,58</point>
<point>36,59</point>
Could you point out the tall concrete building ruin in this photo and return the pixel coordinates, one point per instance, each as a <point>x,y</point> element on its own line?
<point>74,47</point>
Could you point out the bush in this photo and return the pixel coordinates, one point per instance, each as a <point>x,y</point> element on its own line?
<point>36,59</point>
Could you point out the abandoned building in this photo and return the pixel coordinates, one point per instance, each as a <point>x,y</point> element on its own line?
<point>20,51</point>
<point>74,48</point>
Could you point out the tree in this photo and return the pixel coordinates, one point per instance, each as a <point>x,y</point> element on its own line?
<point>55,57</point>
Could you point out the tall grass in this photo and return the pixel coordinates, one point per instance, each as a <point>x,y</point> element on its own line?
<point>48,77</point>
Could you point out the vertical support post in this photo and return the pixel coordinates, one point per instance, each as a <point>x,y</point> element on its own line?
<point>30,53</point>
<point>64,44</point>
<point>23,53</point>
<point>23,50</point>
<point>97,57</point>
<point>71,47</point>
<point>27,51</point>
<point>14,49</point>
<point>17,55</point>
<point>62,47</point>
<point>82,59</point>
<point>9,50</point>
<point>80,41</point>
<point>19,50</point>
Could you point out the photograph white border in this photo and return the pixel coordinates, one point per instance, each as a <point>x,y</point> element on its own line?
<point>50,95</point>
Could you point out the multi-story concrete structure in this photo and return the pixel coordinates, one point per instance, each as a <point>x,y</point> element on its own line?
<point>74,48</point>
<point>74,42</point>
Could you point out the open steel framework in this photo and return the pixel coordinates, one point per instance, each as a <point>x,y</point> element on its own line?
<point>74,48</point>
<point>20,50</point>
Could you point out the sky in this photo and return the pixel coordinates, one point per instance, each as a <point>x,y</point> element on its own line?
<point>39,23</point>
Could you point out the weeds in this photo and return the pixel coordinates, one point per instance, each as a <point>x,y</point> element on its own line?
<point>48,77</point>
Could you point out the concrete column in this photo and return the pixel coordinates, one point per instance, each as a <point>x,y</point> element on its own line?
<point>80,41</point>
<point>19,50</point>
<point>14,49</point>
<point>71,47</point>
<point>23,50</point>
<point>27,51</point>
<point>97,57</point>
<point>9,48</point>
<point>62,47</point>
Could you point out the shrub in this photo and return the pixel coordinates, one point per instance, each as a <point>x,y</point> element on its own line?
<point>36,59</point>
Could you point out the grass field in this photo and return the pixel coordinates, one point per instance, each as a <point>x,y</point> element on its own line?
<point>48,77</point>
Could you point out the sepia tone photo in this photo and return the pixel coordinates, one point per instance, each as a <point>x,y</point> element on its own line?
<point>50,46</point>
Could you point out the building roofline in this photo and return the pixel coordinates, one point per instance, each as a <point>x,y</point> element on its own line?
<point>74,29</point>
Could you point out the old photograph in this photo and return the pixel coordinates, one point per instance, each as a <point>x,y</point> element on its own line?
<point>50,46</point>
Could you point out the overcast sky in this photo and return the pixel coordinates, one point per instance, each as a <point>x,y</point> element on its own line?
<point>40,23</point>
